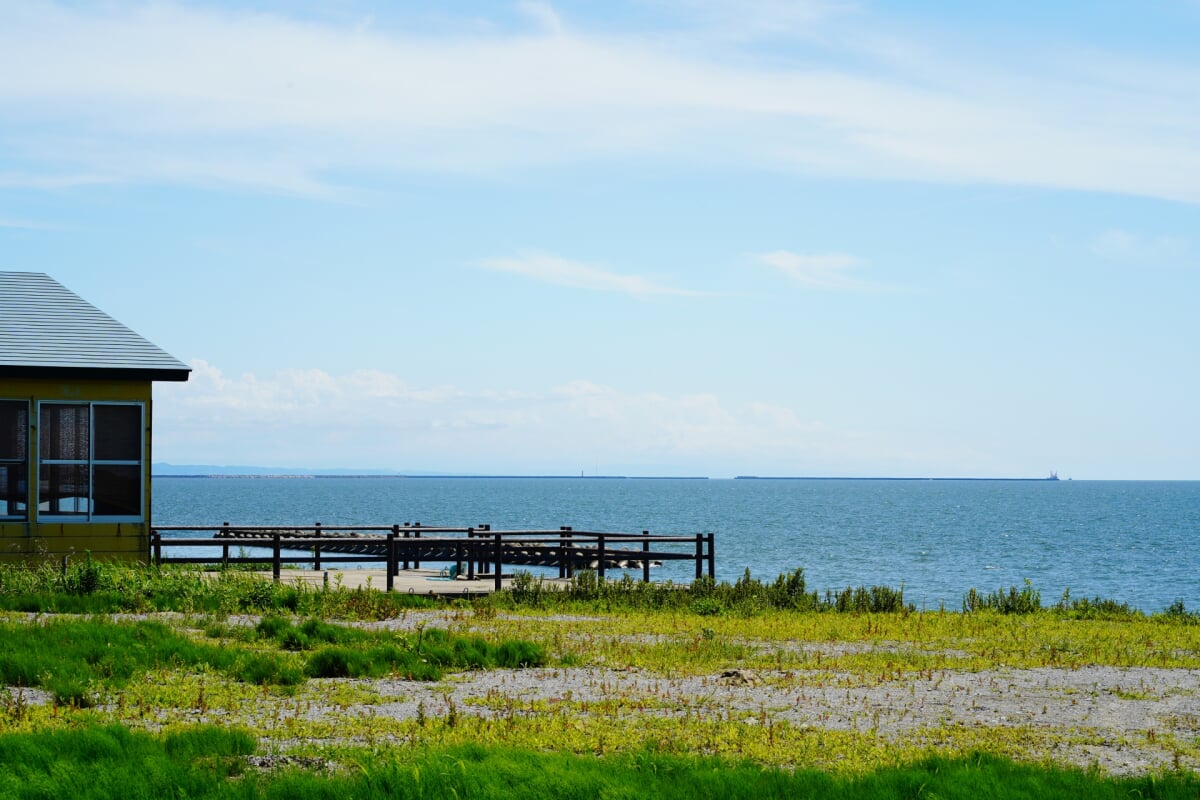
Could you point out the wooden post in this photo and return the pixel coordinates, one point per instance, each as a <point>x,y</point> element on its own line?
<point>406,546</point>
<point>417,553</point>
<point>394,567</point>
<point>568,551</point>
<point>317,549</point>
<point>646,557</point>
<point>225,547</point>
<point>275,556</point>
<point>712,558</point>
<point>391,560</point>
<point>499,545</point>
<point>699,556</point>
<point>470,554</point>
<point>474,557</point>
<point>156,547</point>
<point>483,527</point>
<point>562,555</point>
<point>600,557</point>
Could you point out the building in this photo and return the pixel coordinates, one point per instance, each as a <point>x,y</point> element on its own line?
<point>75,425</point>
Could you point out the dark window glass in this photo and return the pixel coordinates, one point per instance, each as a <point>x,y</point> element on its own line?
<point>64,489</point>
<point>82,447</point>
<point>12,490</point>
<point>117,490</point>
<point>14,455</point>
<point>64,432</point>
<point>118,434</point>
<point>14,431</point>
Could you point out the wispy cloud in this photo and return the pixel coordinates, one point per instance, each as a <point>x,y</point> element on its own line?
<point>376,419</point>
<point>1116,244</point>
<point>27,225</point>
<point>35,180</point>
<point>192,95</point>
<point>544,15</point>
<point>820,271</point>
<point>548,268</point>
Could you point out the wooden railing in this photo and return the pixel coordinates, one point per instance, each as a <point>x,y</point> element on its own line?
<point>477,552</point>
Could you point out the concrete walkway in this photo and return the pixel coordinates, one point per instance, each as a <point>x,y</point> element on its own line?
<point>408,581</point>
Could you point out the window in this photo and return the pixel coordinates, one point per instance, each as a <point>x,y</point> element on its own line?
<point>14,458</point>
<point>90,458</point>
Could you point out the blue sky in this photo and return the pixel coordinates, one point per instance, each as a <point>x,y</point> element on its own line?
<point>647,238</point>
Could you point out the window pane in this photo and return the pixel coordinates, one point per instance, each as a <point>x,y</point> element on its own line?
<point>64,432</point>
<point>14,430</point>
<point>118,433</point>
<point>12,490</point>
<point>64,489</point>
<point>117,490</point>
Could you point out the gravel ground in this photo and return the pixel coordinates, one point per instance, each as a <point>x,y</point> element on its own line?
<point>1129,717</point>
<point>1129,713</point>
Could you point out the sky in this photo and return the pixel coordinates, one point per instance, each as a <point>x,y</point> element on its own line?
<point>670,237</point>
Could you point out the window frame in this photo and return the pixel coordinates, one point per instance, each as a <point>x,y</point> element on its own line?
<point>90,463</point>
<point>22,464</point>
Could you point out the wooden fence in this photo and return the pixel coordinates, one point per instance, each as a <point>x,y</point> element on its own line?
<point>477,552</point>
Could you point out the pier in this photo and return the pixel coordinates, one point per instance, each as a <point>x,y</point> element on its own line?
<point>477,555</point>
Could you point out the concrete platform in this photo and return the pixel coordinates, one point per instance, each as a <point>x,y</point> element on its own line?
<point>407,581</point>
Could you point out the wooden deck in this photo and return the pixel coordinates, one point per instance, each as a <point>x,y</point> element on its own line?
<point>477,555</point>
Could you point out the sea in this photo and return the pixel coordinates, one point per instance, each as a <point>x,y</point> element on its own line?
<point>1130,541</point>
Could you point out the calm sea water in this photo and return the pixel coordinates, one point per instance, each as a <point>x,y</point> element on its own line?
<point>1130,541</point>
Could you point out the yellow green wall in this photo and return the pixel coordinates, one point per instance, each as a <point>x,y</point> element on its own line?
<point>31,540</point>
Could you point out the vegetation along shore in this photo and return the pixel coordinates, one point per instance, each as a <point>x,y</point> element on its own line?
<point>132,682</point>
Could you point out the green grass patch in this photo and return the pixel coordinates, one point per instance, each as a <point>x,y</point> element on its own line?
<point>77,658</point>
<point>340,652</point>
<point>207,763</point>
<point>111,762</point>
<point>87,587</point>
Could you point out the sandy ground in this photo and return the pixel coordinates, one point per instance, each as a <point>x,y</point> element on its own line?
<point>1128,715</point>
<point>422,581</point>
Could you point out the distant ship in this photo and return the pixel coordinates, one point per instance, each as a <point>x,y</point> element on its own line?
<point>1053,476</point>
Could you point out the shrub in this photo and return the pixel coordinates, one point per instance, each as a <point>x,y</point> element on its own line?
<point>875,600</point>
<point>1176,612</point>
<point>1024,601</point>
<point>1096,608</point>
<point>790,591</point>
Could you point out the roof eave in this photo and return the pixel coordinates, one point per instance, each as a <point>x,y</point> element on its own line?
<point>95,373</point>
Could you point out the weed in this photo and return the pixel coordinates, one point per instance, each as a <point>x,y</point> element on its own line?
<point>1024,601</point>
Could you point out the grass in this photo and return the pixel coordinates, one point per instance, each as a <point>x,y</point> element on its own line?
<point>77,658</point>
<point>74,658</point>
<point>676,643</point>
<point>88,587</point>
<point>202,763</point>
<point>273,684</point>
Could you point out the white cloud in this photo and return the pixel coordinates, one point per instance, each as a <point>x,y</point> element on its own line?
<point>1117,244</point>
<point>194,95</point>
<point>374,419</point>
<point>747,20</point>
<point>821,271</point>
<point>544,15</point>
<point>16,223</point>
<point>49,181</point>
<point>548,268</point>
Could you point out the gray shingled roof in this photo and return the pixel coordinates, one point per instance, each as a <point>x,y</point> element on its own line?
<point>48,331</point>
